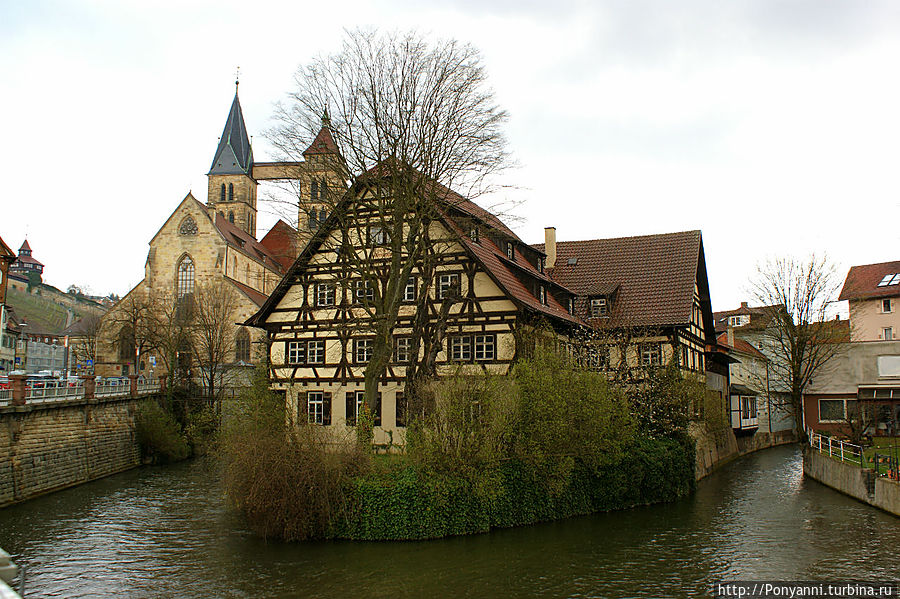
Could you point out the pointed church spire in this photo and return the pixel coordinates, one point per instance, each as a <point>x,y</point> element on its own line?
<point>234,156</point>
<point>324,141</point>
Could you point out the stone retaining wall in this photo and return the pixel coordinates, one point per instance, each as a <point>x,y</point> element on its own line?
<point>859,483</point>
<point>46,447</point>
<point>717,448</point>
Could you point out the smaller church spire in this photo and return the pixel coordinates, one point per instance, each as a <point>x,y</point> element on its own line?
<point>237,79</point>
<point>326,120</point>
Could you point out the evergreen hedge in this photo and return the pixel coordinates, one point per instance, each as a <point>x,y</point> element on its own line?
<point>405,503</point>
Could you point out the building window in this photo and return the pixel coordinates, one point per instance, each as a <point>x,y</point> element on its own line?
<point>738,321</point>
<point>886,306</point>
<point>323,189</point>
<point>572,305</point>
<point>296,352</point>
<point>242,346</point>
<point>363,292</point>
<point>541,264</point>
<point>542,295</point>
<point>831,410</point>
<point>485,347</point>
<point>409,292</point>
<point>223,192</point>
<point>184,282</point>
<point>314,191</point>
<point>448,285</point>
<point>402,346</point>
<point>231,192</point>
<point>887,333</point>
<point>378,235</point>
<point>231,216</point>
<point>188,227</point>
<point>400,409</point>
<point>473,234</point>
<point>510,250</point>
<point>315,407</point>
<point>651,354</point>
<point>353,405</point>
<point>325,294</point>
<point>461,348</point>
<point>315,352</point>
<point>362,350</point>
<point>599,307</point>
<point>748,407</point>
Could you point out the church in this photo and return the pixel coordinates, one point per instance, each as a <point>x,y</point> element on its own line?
<point>216,241</point>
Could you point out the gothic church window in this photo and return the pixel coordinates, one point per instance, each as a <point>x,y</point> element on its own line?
<point>242,346</point>
<point>314,191</point>
<point>231,216</point>
<point>223,192</point>
<point>188,227</point>
<point>185,277</point>
<point>231,192</point>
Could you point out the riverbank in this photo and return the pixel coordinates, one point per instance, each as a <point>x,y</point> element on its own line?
<point>715,449</point>
<point>860,483</point>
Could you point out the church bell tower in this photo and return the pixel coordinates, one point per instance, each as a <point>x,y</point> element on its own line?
<point>232,189</point>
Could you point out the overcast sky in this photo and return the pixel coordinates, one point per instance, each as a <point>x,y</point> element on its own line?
<point>771,126</point>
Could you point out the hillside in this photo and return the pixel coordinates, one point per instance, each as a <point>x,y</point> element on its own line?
<point>46,310</point>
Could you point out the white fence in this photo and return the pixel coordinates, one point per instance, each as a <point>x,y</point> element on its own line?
<point>845,452</point>
<point>49,391</point>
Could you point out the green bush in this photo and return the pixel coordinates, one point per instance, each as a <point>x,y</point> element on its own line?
<point>158,435</point>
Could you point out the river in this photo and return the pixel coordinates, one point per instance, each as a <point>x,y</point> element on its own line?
<point>167,532</point>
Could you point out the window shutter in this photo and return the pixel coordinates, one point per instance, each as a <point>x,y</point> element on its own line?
<point>326,408</point>
<point>378,409</point>
<point>400,409</point>
<point>350,414</point>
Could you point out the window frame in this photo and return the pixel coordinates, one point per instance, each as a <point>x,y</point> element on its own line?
<point>363,292</point>
<point>651,355</point>
<point>311,416</point>
<point>886,306</point>
<point>453,281</point>
<point>401,353</point>
<point>292,352</point>
<point>481,342</point>
<point>317,345</point>
<point>325,295</point>
<point>413,283</point>
<point>461,345</point>
<point>358,345</point>
<point>599,306</point>
<point>887,333</point>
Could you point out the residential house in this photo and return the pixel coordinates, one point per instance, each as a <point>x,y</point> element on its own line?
<point>7,344</point>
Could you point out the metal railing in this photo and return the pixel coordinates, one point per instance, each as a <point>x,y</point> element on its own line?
<point>112,388</point>
<point>53,391</point>
<point>836,448</point>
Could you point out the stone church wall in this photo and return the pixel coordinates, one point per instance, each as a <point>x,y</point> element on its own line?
<point>47,447</point>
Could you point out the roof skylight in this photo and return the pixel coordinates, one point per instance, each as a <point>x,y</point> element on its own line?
<point>891,279</point>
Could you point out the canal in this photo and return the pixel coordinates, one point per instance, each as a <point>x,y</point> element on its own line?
<point>166,532</point>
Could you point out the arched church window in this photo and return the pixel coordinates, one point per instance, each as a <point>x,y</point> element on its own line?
<point>323,190</point>
<point>312,219</point>
<point>184,283</point>
<point>126,344</point>
<point>242,346</point>
<point>314,191</point>
<point>223,192</point>
<point>230,216</point>
<point>322,216</point>
<point>231,192</point>
<point>188,227</point>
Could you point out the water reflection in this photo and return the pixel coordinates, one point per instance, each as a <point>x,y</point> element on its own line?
<point>166,532</point>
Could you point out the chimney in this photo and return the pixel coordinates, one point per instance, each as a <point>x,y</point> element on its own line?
<point>744,305</point>
<point>550,246</point>
<point>729,336</point>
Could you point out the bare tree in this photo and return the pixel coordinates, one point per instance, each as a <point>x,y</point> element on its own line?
<point>168,327</point>
<point>215,306</point>
<point>801,338</point>
<point>412,120</point>
<point>85,334</point>
<point>128,326</point>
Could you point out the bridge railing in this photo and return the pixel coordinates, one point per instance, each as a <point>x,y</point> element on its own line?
<point>112,388</point>
<point>54,390</point>
<point>51,391</point>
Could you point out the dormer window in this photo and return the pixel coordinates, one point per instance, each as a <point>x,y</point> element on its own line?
<point>572,305</point>
<point>599,307</point>
<point>473,234</point>
<point>541,264</point>
<point>542,295</point>
<point>510,250</point>
<point>739,320</point>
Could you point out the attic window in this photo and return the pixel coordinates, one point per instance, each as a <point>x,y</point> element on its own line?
<point>572,261</point>
<point>543,295</point>
<point>599,307</point>
<point>473,234</point>
<point>510,250</point>
<point>891,279</point>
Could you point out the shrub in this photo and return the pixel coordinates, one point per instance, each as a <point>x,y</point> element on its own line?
<point>158,435</point>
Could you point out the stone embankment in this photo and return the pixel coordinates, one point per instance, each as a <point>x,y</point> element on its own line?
<point>49,446</point>
<point>853,480</point>
<point>717,448</point>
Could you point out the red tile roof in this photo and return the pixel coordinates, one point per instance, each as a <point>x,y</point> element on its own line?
<point>862,281</point>
<point>25,246</point>
<point>652,276</point>
<point>5,252</point>
<point>255,296</point>
<point>281,241</point>
<point>739,345</point>
<point>322,144</point>
<point>760,316</point>
<point>246,244</point>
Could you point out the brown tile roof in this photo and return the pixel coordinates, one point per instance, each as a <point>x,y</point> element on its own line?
<point>862,281</point>
<point>246,244</point>
<point>322,144</point>
<point>652,276</point>
<point>255,296</point>
<point>281,241</point>
<point>760,316</point>
<point>739,345</point>
<point>5,252</point>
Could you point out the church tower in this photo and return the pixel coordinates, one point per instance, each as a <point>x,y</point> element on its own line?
<point>322,182</point>
<point>232,189</point>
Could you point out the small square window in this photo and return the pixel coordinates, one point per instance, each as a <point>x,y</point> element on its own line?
<point>599,307</point>
<point>324,294</point>
<point>651,354</point>
<point>485,347</point>
<point>448,285</point>
<point>315,352</point>
<point>378,235</point>
<point>362,351</point>
<point>461,348</point>
<point>363,292</point>
<point>296,352</point>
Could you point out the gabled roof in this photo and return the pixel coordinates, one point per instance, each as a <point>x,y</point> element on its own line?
<point>5,252</point>
<point>25,247</point>
<point>246,244</point>
<point>760,317</point>
<point>740,345</point>
<point>281,241</point>
<point>652,276</point>
<point>252,294</point>
<point>508,275</point>
<point>322,144</point>
<point>233,155</point>
<point>862,282</point>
